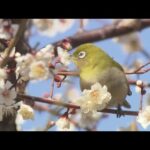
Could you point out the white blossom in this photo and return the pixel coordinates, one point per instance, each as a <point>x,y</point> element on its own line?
<point>64,56</point>
<point>26,112</point>
<point>7,95</point>
<point>63,123</point>
<point>94,99</point>
<point>139,82</point>
<point>23,63</point>
<point>137,63</point>
<point>65,24</point>
<point>89,120</point>
<point>144,117</point>
<point>45,54</point>
<point>19,121</point>
<point>128,23</point>
<point>47,27</point>
<point>137,89</point>
<point>51,27</point>
<point>3,74</point>
<point>38,70</point>
<point>130,42</point>
<point>7,34</point>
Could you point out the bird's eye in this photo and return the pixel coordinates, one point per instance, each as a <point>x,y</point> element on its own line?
<point>82,54</point>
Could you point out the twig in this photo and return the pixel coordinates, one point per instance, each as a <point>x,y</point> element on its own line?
<point>52,88</point>
<point>69,105</point>
<point>137,71</point>
<point>133,82</point>
<point>141,102</point>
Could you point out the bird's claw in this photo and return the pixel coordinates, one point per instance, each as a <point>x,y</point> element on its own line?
<point>119,112</point>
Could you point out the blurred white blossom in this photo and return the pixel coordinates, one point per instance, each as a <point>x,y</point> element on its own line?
<point>7,95</point>
<point>89,120</point>
<point>128,22</point>
<point>138,63</point>
<point>7,31</point>
<point>137,89</point>
<point>131,127</point>
<point>72,93</point>
<point>139,83</point>
<point>64,56</point>
<point>51,27</point>
<point>19,121</point>
<point>130,42</point>
<point>63,124</point>
<point>46,53</point>
<point>65,24</point>
<point>26,112</point>
<point>144,117</point>
<point>95,99</point>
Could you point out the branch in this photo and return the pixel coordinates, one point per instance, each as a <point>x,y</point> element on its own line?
<point>13,42</point>
<point>133,82</point>
<point>139,71</point>
<point>69,105</point>
<point>104,33</point>
<point>68,73</point>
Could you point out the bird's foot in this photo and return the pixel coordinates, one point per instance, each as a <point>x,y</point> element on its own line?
<point>119,112</point>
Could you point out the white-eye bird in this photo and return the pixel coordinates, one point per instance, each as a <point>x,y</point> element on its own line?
<point>96,66</point>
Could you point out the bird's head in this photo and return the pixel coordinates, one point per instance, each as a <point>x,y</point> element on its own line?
<point>86,55</point>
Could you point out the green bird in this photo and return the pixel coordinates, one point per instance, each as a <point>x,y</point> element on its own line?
<point>96,66</point>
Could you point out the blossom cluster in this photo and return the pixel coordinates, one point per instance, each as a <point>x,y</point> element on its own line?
<point>32,66</point>
<point>131,41</point>
<point>51,27</point>
<point>97,98</point>
<point>36,66</point>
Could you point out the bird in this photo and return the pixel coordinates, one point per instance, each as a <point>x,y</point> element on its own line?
<point>95,65</point>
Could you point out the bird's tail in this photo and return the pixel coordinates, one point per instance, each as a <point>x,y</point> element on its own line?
<point>126,104</point>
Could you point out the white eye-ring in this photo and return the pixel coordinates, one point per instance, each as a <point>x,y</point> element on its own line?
<point>82,54</point>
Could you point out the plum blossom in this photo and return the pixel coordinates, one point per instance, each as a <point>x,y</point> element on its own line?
<point>144,117</point>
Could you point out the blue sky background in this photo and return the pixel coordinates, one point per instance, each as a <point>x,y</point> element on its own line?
<point>113,49</point>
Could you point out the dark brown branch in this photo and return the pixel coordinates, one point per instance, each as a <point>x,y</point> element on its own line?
<point>69,105</point>
<point>113,111</point>
<point>104,33</point>
<point>47,101</point>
